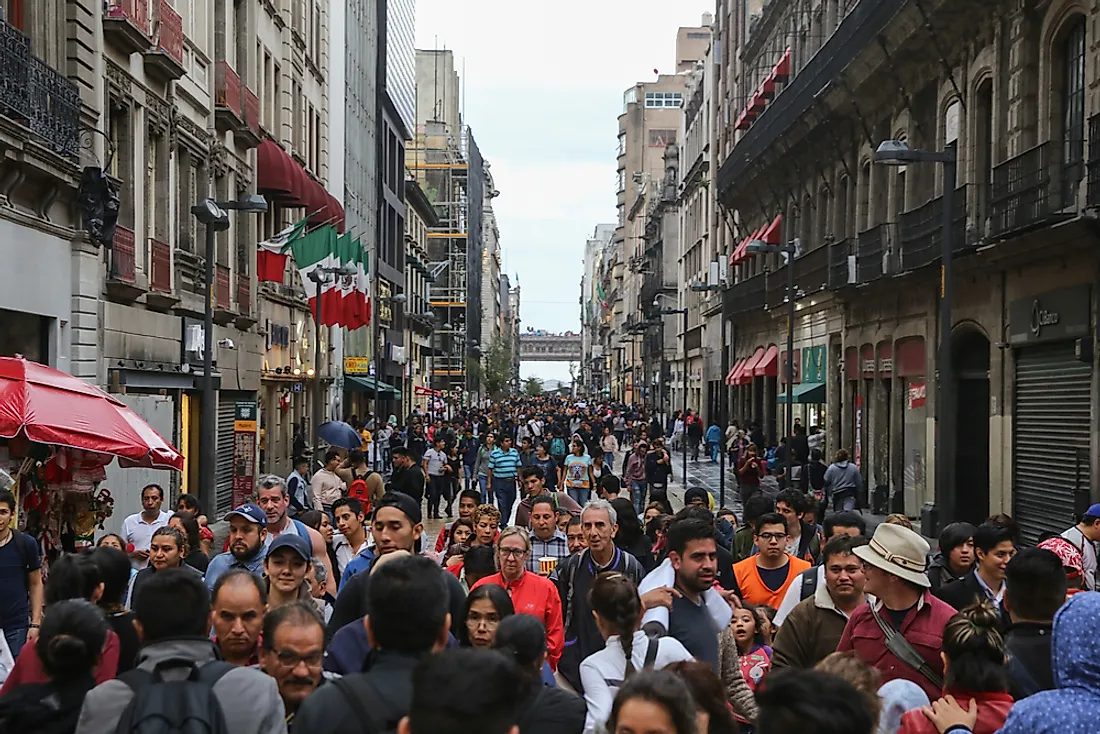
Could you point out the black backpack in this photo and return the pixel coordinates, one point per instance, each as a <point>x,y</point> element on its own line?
<point>186,706</point>
<point>809,583</point>
<point>376,712</point>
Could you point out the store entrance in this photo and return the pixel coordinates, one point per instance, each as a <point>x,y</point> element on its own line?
<point>970,350</point>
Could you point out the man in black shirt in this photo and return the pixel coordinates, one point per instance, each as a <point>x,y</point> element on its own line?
<point>407,477</point>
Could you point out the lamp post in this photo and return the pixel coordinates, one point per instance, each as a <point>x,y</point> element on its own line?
<point>723,368</point>
<point>214,215</point>
<point>759,246</point>
<point>683,377</point>
<point>897,153</point>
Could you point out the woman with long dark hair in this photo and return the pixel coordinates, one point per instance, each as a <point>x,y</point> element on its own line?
<point>653,701</point>
<point>631,536</point>
<point>319,521</point>
<point>486,607</point>
<point>712,714</point>
<point>545,709</point>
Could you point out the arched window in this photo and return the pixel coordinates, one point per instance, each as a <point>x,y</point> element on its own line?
<point>1071,53</point>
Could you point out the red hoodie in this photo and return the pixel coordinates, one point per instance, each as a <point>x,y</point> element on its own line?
<point>532,594</point>
<point>993,709</point>
<point>28,666</point>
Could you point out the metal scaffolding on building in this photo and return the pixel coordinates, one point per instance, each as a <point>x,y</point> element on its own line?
<point>438,159</point>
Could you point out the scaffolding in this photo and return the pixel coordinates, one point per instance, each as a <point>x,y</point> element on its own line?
<point>438,159</point>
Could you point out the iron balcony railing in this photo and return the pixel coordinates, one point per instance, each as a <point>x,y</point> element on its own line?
<point>160,266</point>
<point>221,286</point>
<point>920,231</point>
<point>1037,187</point>
<point>36,95</point>
<point>244,294</point>
<point>840,253</point>
<point>874,250</point>
<point>123,256</point>
<point>227,88</point>
<point>811,273</point>
<point>749,294</point>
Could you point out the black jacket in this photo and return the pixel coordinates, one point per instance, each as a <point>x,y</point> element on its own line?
<point>51,708</point>
<point>1029,665</point>
<point>410,481</point>
<point>940,573</point>
<point>964,592</point>
<point>352,602</point>
<point>385,691</point>
<point>552,711</point>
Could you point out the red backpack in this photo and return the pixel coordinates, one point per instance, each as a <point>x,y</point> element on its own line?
<point>359,491</point>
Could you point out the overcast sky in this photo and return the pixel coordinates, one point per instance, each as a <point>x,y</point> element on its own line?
<point>543,90</point>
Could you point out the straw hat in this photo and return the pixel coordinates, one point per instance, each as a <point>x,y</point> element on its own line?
<point>898,551</point>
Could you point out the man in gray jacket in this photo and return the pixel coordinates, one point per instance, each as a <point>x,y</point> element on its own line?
<point>173,619</point>
<point>843,483</point>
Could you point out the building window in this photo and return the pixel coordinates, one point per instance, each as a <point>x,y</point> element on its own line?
<point>621,150</point>
<point>620,185</point>
<point>661,138</point>
<point>663,99</point>
<point>1073,107</point>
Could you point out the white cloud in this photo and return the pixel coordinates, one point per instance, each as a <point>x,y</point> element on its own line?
<point>543,87</point>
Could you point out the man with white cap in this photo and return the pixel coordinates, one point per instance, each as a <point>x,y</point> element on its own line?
<point>901,633</point>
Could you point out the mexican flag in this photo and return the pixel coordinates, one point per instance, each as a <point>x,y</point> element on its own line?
<point>344,299</point>
<point>271,254</point>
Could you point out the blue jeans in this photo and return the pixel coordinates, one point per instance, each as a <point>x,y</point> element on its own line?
<point>637,494</point>
<point>505,492</point>
<point>580,495</point>
<point>609,460</point>
<point>712,449</point>
<point>483,483</point>
<point>470,477</point>
<point>16,637</point>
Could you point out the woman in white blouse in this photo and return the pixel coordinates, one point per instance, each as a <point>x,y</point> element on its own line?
<point>618,611</point>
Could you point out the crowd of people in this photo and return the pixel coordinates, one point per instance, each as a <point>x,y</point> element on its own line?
<point>569,592</point>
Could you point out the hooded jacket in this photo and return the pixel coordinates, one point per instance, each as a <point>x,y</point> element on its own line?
<point>842,477</point>
<point>1074,706</point>
<point>939,572</point>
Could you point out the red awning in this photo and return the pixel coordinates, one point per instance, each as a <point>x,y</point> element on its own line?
<point>277,175</point>
<point>336,209</point>
<point>744,377</point>
<point>782,69</point>
<point>740,253</point>
<point>758,103</point>
<point>767,87</point>
<point>733,372</point>
<point>771,234</point>
<point>768,364</point>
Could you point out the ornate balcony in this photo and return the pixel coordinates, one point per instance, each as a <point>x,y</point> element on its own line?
<point>37,96</point>
<point>874,249</point>
<point>165,58</point>
<point>1037,187</point>
<point>126,25</point>
<point>841,264</point>
<point>227,97</point>
<point>811,272</point>
<point>223,313</point>
<point>747,295</point>
<point>122,276</point>
<point>160,294</point>
<point>248,134</point>
<point>920,231</point>
<point>245,317</point>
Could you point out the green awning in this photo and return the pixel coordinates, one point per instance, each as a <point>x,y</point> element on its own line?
<point>809,393</point>
<point>363,383</point>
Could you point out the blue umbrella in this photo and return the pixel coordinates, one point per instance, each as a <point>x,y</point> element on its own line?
<point>339,434</point>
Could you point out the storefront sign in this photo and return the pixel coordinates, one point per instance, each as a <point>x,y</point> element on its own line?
<point>1062,314</point>
<point>385,309</point>
<point>917,395</point>
<point>813,364</point>
<point>858,448</point>
<point>356,365</point>
<point>244,452</point>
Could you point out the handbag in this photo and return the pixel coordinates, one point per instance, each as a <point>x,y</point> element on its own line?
<point>903,651</point>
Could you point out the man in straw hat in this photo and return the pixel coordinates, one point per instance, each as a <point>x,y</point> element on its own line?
<point>901,634</point>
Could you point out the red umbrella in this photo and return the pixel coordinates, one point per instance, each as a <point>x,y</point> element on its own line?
<point>49,406</point>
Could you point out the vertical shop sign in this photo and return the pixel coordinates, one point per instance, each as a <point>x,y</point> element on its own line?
<point>244,451</point>
<point>859,432</point>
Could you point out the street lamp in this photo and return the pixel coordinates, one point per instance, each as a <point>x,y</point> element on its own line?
<point>759,247</point>
<point>321,275</point>
<point>214,215</point>
<point>683,377</point>
<point>898,153</point>
<point>700,287</point>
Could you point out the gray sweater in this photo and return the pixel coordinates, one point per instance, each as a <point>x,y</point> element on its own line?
<point>842,476</point>
<point>249,699</point>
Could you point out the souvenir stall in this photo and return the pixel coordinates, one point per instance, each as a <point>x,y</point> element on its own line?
<point>57,436</point>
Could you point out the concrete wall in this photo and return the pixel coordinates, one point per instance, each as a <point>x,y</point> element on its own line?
<point>38,280</point>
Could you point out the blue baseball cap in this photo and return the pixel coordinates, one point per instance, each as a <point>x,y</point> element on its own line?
<point>1093,512</point>
<point>296,543</point>
<point>250,512</point>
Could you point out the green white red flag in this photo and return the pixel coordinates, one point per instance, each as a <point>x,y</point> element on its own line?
<point>344,298</point>
<point>272,254</point>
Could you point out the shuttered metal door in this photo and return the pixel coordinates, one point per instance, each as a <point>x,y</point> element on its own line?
<point>227,407</point>
<point>1050,437</point>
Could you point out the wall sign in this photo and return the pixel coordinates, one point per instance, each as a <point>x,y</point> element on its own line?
<point>813,364</point>
<point>918,393</point>
<point>356,365</point>
<point>1061,314</point>
<point>244,451</point>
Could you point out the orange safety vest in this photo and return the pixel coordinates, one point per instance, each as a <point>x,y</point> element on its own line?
<point>753,589</point>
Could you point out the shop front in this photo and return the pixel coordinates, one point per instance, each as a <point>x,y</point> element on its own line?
<point>286,388</point>
<point>1050,338</point>
<point>908,364</point>
<point>808,397</point>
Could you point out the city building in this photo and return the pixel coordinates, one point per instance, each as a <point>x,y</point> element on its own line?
<point>492,295</point>
<point>650,120</point>
<point>419,318</point>
<point>510,331</point>
<point>1005,88</point>
<point>594,376</point>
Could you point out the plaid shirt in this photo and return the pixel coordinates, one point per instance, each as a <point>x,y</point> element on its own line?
<point>556,547</point>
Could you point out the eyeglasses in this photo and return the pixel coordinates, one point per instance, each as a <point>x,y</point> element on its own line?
<point>513,552</point>
<point>290,659</point>
<point>772,536</point>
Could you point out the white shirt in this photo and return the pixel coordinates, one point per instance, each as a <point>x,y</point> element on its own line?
<point>135,530</point>
<point>602,672</point>
<point>1088,554</point>
<point>344,551</point>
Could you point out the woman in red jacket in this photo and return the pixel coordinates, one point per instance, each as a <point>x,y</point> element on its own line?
<point>974,669</point>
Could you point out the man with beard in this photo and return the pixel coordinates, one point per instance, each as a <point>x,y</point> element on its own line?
<point>273,498</point>
<point>238,604</point>
<point>814,628</point>
<point>247,544</point>
<point>693,552</point>
<point>292,652</point>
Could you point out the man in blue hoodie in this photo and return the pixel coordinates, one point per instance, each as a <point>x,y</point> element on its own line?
<point>843,483</point>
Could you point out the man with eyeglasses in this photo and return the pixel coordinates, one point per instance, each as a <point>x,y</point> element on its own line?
<point>293,650</point>
<point>531,593</point>
<point>763,579</point>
